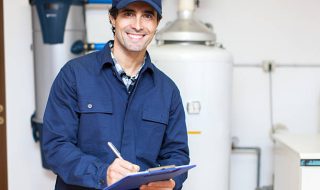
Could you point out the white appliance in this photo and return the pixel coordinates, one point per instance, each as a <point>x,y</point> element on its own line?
<point>296,161</point>
<point>187,52</point>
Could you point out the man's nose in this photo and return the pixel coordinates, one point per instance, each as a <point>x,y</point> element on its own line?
<point>138,25</point>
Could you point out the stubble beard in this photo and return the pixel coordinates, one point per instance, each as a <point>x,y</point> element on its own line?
<point>133,46</point>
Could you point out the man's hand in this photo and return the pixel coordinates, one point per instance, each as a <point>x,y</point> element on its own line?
<point>119,169</point>
<point>159,185</point>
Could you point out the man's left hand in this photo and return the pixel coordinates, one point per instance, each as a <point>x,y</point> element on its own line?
<point>159,185</point>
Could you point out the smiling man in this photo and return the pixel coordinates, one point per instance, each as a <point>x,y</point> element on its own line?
<point>115,95</point>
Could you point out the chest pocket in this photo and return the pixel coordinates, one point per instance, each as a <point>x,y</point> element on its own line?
<point>154,124</point>
<point>154,114</point>
<point>96,124</point>
<point>95,106</point>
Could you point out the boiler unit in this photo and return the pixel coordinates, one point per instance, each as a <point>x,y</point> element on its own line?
<point>56,24</point>
<point>186,50</point>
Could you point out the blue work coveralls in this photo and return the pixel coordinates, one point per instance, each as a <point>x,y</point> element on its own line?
<point>89,106</point>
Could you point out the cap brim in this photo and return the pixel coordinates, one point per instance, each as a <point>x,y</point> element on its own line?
<point>123,4</point>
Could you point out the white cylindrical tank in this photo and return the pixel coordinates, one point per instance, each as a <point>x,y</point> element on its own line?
<point>186,51</point>
<point>56,26</point>
<point>49,58</point>
<point>204,76</point>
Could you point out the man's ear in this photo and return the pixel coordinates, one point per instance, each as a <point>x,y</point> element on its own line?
<point>112,20</point>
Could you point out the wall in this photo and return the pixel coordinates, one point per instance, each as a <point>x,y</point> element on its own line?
<point>24,165</point>
<point>283,31</point>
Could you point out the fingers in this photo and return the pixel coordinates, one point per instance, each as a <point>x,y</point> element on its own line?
<point>159,185</point>
<point>127,165</point>
<point>118,169</point>
<point>113,177</point>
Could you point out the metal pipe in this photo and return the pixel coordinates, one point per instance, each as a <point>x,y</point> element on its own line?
<point>257,150</point>
<point>79,47</point>
<point>186,9</point>
<point>98,1</point>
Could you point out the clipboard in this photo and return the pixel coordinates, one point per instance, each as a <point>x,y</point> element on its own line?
<point>135,180</point>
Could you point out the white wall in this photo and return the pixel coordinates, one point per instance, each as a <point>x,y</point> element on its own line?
<point>24,165</point>
<point>285,31</point>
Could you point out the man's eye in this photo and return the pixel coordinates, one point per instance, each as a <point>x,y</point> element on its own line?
<point>128,14</point>
<point>148,16</point>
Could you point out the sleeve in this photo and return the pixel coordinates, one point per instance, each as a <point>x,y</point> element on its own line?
<point>175,148</point>
<point>59,136</point>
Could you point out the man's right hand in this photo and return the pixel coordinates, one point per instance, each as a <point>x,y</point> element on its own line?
<point>119,169</point>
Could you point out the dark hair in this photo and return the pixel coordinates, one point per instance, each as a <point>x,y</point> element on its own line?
<point>114,13</point>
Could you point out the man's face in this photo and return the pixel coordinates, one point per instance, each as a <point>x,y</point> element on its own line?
<point>135,26</point>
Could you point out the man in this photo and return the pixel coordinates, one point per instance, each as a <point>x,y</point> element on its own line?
<point>115,95</point>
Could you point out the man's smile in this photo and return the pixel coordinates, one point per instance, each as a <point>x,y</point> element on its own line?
<point>135,36</point>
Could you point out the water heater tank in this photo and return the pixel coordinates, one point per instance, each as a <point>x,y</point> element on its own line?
<point>52,51</point>
<point>203,73</point>
<point>56,25</point>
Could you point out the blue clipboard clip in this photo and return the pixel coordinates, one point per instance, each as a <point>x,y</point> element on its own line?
<point>135,180</point>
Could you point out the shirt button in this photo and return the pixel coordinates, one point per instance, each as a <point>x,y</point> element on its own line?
<point>90,106</point>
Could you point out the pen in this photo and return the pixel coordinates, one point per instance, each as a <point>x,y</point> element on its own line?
<point>114,150</point>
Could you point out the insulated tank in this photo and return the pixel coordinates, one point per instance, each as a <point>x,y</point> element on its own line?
<point>187,53</point>
<point>56,25</point>
<point>49,57</point>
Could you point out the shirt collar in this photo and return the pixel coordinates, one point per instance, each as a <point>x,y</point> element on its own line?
<point>105,58</point>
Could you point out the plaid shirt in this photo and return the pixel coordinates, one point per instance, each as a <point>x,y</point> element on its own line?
<point>129,81</point>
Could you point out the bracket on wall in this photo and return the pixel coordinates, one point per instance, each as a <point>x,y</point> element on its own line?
<point>268,66</point>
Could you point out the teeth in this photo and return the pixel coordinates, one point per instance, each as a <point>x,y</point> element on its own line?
<point>135,36</point>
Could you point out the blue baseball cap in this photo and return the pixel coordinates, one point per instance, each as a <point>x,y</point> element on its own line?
<point>156,4</point>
